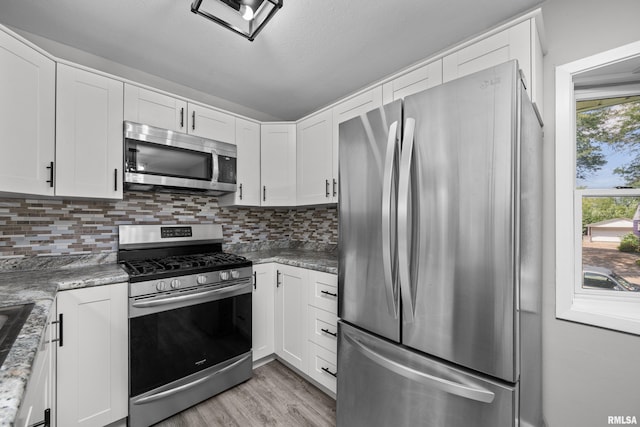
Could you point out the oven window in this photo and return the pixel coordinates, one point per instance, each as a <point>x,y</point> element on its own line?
<point>170,345</point>
<point>157,159</point>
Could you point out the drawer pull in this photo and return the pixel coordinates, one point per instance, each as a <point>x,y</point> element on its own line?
<point>326,331</point>
<point>329,293</point>
<point>335,374</point>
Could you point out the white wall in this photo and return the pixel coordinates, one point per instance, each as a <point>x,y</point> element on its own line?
<point>589,373</point>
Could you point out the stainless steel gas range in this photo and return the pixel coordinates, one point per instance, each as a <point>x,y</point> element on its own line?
<point>189,317</point>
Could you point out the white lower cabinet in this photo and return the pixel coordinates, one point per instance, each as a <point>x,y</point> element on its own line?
<point>322,328</point>
<point>305,320</point>
<point>38,403</point>
<point>263,311</point>
<point>290,315</point>
<point>92,376</point>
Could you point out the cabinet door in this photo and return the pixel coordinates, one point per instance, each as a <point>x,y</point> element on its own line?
<point>212,124</point>
<point>415,81</point>
<point>278,164</point>
<point>27,118</point>
<point>92,360</point>
<point>314,151</point>
<point>263,311</point>
<point>291,315</point>
<point>154,109</point>
<point>89,117</point>
<point>248,179</point>
<point>512,43</point>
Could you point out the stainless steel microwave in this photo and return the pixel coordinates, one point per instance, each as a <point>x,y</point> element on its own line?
<point>164,160</point>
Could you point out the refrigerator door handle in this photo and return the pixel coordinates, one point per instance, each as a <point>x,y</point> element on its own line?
<point>387,206</point>
<point>404,233</point>
<point>468,392</point>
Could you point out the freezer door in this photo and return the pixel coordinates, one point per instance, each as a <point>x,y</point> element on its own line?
<point>368,172</point>
<point>383,384</point>
<point>458,222</point>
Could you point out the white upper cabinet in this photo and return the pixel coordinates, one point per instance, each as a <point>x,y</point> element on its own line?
<point>27,118</point>
<point>154,109</point>
<point>89,113</point>
<point>414,81</point>
<point>212,124</point>
<point>164,111</point>
<point>519,42</point>
<point>314,145</point>
<point>248,172</point>
<point>278,164</point>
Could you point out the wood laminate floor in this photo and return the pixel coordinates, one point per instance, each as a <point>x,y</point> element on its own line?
<point>275,396</point>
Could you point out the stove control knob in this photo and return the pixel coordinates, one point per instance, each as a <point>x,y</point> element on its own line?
<point>161,286</point>
<point>235,274</point>
<point>201,280</point>
<point>224,275</point>
<point>175,284</point>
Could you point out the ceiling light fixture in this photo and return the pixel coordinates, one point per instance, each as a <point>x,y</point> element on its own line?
<point>244,17</point>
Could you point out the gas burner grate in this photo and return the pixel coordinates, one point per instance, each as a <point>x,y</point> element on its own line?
<point>182,263</point>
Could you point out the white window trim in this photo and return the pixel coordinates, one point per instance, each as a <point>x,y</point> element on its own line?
<point>606,309</point>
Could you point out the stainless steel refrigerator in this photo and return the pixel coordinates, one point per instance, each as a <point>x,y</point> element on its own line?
<point>440,258</point>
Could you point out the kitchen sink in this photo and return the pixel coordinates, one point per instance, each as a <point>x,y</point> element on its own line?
<point>11,320</point>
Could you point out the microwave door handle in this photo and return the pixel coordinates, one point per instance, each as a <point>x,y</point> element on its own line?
<point>404,232</point>
<point>216,167</point>
<point>387,219</point>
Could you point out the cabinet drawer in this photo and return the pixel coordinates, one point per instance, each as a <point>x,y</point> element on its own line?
<point>322,328</point>
<point>322,366</point>
<point>323,291</point>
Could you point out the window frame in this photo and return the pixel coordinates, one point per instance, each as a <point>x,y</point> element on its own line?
<point>608,309</point>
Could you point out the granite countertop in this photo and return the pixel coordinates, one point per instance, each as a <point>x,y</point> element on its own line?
<point>39,287</point>
<point>311,259</point>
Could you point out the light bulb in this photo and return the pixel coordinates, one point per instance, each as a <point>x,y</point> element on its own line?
<point>246,12</point>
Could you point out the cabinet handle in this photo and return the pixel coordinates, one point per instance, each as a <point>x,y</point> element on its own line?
<point>47,420</point>
<point>326,331</point>
<point>50,180</point>
<point>60,323</point>
<point>181,117</point>
<point>326,188</point>
<point>193,121</point>
<point>264,193</point>
<point>277,278</point>
<point>255,280</point>
<point>115,179</point>
<point>240,191</point>
<point>335,187</point>
<point>335,374</point>
<point>329,293</point>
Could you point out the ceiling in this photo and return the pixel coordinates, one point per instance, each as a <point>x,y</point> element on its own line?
<point>310,54</point>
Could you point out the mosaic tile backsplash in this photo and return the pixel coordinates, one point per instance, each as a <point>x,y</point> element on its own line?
<point>30,227</point>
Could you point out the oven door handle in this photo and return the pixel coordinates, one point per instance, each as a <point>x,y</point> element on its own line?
<point>219,292</point>
<point>183,387</point>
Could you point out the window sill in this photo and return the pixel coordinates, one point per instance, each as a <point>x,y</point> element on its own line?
<point>617,314</point>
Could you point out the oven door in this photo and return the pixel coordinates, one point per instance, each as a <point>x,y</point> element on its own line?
<point>173,336</point>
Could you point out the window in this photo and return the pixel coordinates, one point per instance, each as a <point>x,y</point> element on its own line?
<point>598,190</point>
